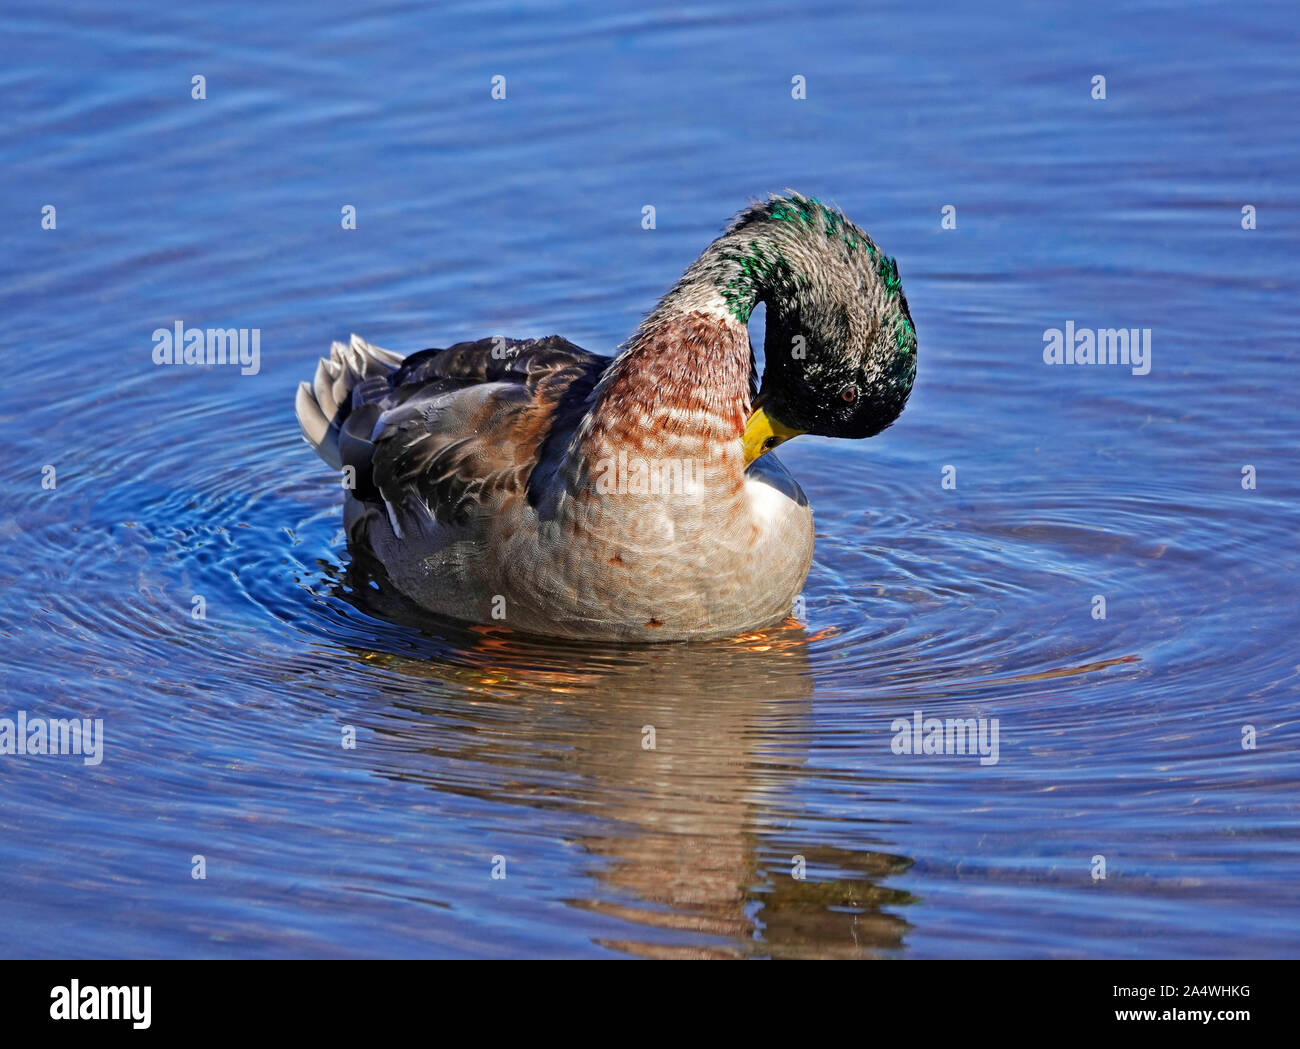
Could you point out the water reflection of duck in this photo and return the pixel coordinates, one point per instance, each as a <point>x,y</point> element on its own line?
<point>490,478</point>
<point>687,847</point>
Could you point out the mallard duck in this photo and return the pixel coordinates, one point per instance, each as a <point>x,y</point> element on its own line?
<point>530,484</point>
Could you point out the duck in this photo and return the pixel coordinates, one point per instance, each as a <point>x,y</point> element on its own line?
<point>533,485</point>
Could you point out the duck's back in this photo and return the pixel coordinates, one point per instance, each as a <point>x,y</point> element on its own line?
<point>444,437</point>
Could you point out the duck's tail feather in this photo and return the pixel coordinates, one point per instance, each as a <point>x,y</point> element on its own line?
<point>324,403</point>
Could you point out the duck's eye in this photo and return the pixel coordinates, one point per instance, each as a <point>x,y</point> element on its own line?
<point>849,394</point>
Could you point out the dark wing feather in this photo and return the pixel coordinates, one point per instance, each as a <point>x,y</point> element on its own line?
<point>454,432</point>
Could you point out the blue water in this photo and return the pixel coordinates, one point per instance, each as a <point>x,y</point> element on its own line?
<point>1120,738</point>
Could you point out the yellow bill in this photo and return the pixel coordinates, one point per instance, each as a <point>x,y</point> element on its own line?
<point>763,433</point>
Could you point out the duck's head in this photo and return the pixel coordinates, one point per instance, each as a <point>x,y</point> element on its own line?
<point>840,345</point>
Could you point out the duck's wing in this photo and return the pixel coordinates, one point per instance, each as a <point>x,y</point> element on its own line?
<point>447,434</point>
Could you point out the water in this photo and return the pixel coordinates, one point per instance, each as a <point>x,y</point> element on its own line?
<point>1119,737</point>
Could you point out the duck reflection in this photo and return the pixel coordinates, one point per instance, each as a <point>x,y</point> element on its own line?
<point>684,758</point>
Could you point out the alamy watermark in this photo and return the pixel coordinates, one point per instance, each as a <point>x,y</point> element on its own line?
<point>24,736</point>
<point>1124,346</point>
<point>205,346</point>
<point>92,1002</point>
<point>922,735</point>
<point>624,475</point>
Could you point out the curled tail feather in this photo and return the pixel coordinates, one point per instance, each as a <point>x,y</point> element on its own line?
<point>323,404</point>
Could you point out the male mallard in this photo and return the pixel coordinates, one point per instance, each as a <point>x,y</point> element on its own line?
<point>531,484</point>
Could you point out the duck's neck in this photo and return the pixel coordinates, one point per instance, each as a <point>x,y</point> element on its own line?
<point>681,390</point>
<point>685,380</point>
<point>736,272</point>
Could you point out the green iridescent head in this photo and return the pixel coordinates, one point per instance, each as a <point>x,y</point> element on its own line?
<point>840,345</point>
